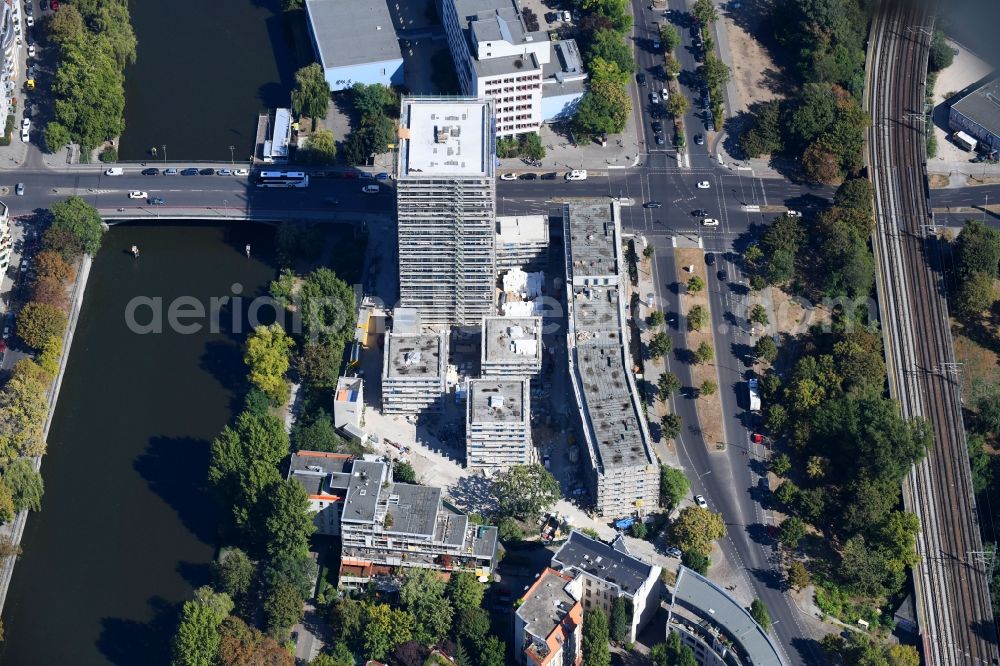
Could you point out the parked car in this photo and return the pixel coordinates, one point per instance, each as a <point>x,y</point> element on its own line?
<point>700,501</point>
<point>660,139</point>
<point>170,172</point>
<point>700,212</point>
<point>657,126</point>
<point>330,201</point>
<point>508,176</point>
<point>29,20</point>
<point>55,5</point>
<point>207,172</point>
<point>654,98</point>
<point>190,171</point>
<point>138,194</point>
<point>371,189</point>
<point>528,176</point>
<point>793,213</point>
<point>155,201</point>
<point>640,78</point>
<point>19,189</point>
<point>224,172</point>
<point>151,171</point>
<point>114,171</point>
<point>699,140</point>
<point>673,551</point>
<point>577,174</point>
<point>382,176</point>
<point>241,172</point>
<point>549,176</point>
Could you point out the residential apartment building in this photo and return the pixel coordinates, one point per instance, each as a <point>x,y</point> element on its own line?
<point>522,241</point>
<point>497,57</point>
<point>387,527</point>
<point>511,347</point>
<point>548,624</point>
<point>414,372</point>
<point>606,572</point>
<point>623,470</point>
<point>10,28</point>
<point>498,423</point>
<point>446,209</point>
<point>325,478</point>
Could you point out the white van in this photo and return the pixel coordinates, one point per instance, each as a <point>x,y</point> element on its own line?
<point>114,171</point>
<point>371,189</point>
<point>577,174</point>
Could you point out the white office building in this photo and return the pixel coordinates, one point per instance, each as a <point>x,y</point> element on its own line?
<point>446,209</point>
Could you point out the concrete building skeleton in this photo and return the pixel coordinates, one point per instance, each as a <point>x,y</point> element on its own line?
<point>511,347</point>
<point>414,372</point>
<point>446,207</point>
<point>498,423</point>
<point>624,471</point>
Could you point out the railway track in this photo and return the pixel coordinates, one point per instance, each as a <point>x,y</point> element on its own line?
<point>951,581</point>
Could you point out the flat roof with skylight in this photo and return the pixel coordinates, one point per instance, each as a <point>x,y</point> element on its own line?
<point>516,339</point>
<point>443,136</point>
<point>415,355</point>
<point>496,401</point>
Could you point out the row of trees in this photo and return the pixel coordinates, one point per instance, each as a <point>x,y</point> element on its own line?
<point>376,109</point>
<point>95,43</point>
<point>606,105</point>
<point>977,260</point>
<point>823,124</point>
<point>825,256</point>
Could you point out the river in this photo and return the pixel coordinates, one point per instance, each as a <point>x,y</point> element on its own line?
<point>202,73</point>
<point>127,526</point>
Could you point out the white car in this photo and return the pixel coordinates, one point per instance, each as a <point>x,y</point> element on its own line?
<point>665,94</point>
<point>25,135</point>
<point>700,501</point>
<point>114,171</point>
<point>508,176</point>
<point>793,213</point>
<point>704,185</point>
<point>241,172</point>
<point>29,20</point>
<point>577,174</point>
<point>710,222</point>
<point>25,124</point>
<point>138,194</point>
<point>370,189</point>
<point>31,50</point>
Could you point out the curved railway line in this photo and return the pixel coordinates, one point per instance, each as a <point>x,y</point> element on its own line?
<point>951,581</point>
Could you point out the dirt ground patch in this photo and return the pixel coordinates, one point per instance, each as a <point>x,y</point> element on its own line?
<point>936,180</point>
<point>756,76</point>
<point>789,314</point>
<point>709,407</point>
<point>980,364</point>
<point>982,180</point>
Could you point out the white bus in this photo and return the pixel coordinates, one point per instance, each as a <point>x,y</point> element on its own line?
<point>282,179</point>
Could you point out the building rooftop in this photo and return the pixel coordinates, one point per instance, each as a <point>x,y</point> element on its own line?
<point>497,401</point>
<point>348,389</point>
<point>565,62</point>
<point>709,601</point>
<point>593,240</point>
<point>600,560</point>
<point>522,229</point>
<point>487,21</point>
<point>982,106</point>
<point>512,339</point>
<point>413,508</point>
<point>546,604</point>
<point>415,355</point>
<point>348,32</point>
<point>362,493</point>
<point>442,136</point>
<point>313,469</point>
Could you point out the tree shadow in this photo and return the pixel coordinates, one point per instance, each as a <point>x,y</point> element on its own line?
<point>175,468</point>
<point>771,578</point>
<point>195,573</point>
<point>686,356</point>
<point>129,642</point>
<point>224,361</point>
<point>758,534</point>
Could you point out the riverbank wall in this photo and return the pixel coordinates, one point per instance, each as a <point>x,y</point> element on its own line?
<point>17,527</point>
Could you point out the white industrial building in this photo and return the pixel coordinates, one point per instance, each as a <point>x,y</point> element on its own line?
<point>414,372</point>
<point>355,42</point>
<point>446,209</point>
<point>624,471</point>
<point>497,57</point>
<point>511,347</point>
<point>498,423</point>
<point>522,240</point>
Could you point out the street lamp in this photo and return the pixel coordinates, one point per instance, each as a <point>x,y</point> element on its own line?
<point>164,146</point>
<point>232,158</point>
<point>986,206</point>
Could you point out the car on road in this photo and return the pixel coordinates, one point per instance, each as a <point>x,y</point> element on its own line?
<point>673,551</point>
<point>656,45</point>
<point>19,189</point>
<point>722,275</point>
<point>508,176</point>
<point>710,222</point>
<point>567,17</point>
<point>382,176</point>
<point>549,176</point>
<point>528,176</point>
<point>170,172</point>
<point>190,171</point>
<point>657,126</point>
<point>138,194</point>
<point>577,174</point>
<point>704,185</point>
<point>640,78</point>
<point>6,331</point>
<point>25,135</point>
<point>25,124</point>
<point>652,204</point>
<point>700,501</point>
<point>700,212</point>
<point>654,98</point>
<point>207,172</point>
<point>29,20</point>
<point>114,171</point>
<point>371,189</point>
<point>43,4</point>
<point>155,201</point>
<point>660,139</point>
<point>224,172</point>
<point>241,172</point>
<point>55,5</point>
<point>31,50</point>
<point>793,213</point>
<point>709,258</point>
<point>330,201</point>
<point>151,171</point>
<point>699,140</point>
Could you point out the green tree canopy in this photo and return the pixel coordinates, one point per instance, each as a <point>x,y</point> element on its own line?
<point>39,322</point>
<point>233,573</point>
<point>523,491</point>
<point>760,614</point>
<point>76,216</point>
<point>287,519</point>
<point>196,642</point>
<point>283,607</point>
<point>620,619</point>
<point>267,356</point>
<point>671,426</point>
<point>674,486</point>
<point>695,529</point>
<point>23,409</point>
<point>660,345</point>
<point>464,591</point>
<point>25,485</point>
<point>610,46</point>
<point>384,629</point>
<point>321,148</point>
<point>423,596</point>
<point>311,94</point>
<point>596,651</point>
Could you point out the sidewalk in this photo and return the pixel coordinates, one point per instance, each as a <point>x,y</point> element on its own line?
<point>623,150</point>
